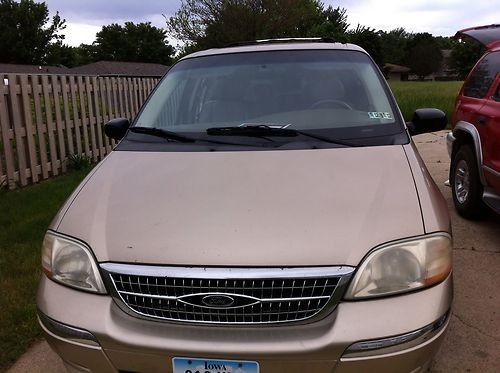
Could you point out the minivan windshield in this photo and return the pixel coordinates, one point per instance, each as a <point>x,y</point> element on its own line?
<point>335,93</point>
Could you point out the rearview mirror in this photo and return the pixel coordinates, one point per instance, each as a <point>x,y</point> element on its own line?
<point>116,128</point>
<point>427,120</point>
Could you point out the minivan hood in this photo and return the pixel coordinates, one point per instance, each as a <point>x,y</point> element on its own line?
<point>258,208</point>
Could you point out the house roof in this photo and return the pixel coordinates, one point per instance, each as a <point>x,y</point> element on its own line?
<point>8,68</point>
<point>117,68</point>
<point>393,68</point>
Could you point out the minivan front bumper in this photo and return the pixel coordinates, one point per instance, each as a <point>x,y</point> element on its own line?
<point>91,333</point>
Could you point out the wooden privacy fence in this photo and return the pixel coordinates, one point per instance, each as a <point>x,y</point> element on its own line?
<point>45,119</point>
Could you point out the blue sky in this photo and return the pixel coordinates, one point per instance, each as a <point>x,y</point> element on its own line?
<point>440,17</point>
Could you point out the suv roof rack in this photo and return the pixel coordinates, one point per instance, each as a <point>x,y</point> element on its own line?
<point>280,41</point>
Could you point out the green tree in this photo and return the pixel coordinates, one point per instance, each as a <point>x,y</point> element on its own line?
<point>424,55</point>
<point>61,54</point>
<point>332,24</point>
<point>464,56</point>
<point>140,42</point>
<point>445,42</point>
<point>368,39</point>
<point>85,54</point>
<point>27,31</point>
<point>394,45</point>
<point>213,23</point>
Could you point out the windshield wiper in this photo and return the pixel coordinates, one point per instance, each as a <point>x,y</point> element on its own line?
<point>262,130</point>
<point>169,135</point>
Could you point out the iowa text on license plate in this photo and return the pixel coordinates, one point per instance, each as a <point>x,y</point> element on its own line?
<point>196,365</point>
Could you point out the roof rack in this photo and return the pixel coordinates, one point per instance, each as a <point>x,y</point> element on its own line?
<point>280,41</point>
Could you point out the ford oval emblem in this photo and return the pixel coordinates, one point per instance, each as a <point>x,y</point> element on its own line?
<point>218,301</point>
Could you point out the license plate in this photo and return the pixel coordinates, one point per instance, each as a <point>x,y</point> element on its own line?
<point>188,365</point>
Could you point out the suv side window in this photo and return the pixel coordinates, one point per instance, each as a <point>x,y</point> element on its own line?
<point>482,77</point>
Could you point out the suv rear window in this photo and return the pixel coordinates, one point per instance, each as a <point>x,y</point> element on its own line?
<point>482,77</point>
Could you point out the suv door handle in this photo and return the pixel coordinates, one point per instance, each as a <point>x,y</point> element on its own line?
<point>481,120</point>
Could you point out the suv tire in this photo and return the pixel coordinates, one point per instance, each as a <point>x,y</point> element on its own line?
<point>466,186</point>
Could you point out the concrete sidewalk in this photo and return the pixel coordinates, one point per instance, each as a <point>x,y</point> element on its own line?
<point>472,343</point>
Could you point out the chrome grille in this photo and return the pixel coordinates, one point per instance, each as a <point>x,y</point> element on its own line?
<point>260,296</point>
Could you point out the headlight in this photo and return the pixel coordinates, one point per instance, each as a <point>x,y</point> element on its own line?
<point>71,263</point>
<point>402,266</point>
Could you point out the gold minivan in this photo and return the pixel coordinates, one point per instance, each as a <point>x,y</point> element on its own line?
<point>266,211</point>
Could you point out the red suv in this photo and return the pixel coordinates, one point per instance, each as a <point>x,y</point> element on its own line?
<point>474,143</point>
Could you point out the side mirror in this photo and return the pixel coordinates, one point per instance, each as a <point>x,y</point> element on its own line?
<point>427,120</point>
<point>116,128</point>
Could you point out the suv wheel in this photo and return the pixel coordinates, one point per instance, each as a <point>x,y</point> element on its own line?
<point>466,186</point>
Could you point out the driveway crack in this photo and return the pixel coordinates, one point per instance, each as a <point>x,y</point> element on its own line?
<point>475,328</point>
<point>476,250</point>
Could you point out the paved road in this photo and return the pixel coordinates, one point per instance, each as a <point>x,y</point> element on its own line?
<point>472,343</point>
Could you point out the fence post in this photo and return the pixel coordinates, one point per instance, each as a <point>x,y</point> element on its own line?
<point>76,118</point>
<point>67,116</point>
<point>26,92</point>
<point>6,137</point>
<point>59,124</point>
<point>99,123</point>
<point>50,125</point>
<point>41,128</point>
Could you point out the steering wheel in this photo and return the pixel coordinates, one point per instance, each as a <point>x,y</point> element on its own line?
<point>331,102</point>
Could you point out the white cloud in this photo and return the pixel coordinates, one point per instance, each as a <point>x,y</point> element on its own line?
<point>81,11</point>
<point>78,33</point>
<point>438,17</point>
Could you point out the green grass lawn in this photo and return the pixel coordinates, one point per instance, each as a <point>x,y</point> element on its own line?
<point>414,95</point>
<point>24,217</point>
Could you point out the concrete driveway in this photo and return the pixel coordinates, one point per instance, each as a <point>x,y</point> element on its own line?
<point>472,343</point>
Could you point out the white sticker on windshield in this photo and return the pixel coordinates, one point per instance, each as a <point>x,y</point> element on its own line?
<point>379,115</point>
